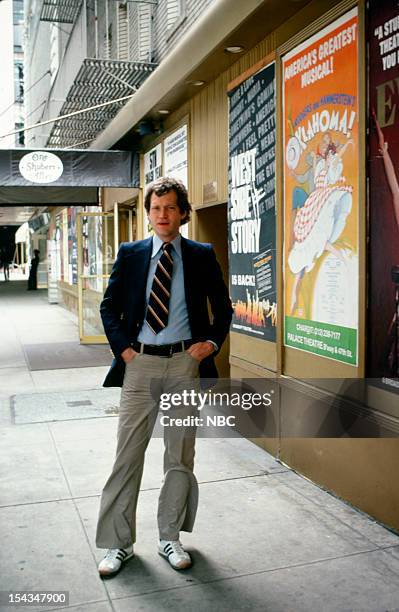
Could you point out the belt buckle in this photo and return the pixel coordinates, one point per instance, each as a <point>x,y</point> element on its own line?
<point>170,350</point>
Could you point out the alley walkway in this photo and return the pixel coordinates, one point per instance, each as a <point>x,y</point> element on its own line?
<point>265,539</point>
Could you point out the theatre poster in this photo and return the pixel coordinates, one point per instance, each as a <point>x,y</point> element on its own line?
<point>175,154</point>
<point>321,192</point>
<point>383,167</point>
<point>251,205</point>
<point>152,171</point>
<point>175,160</point>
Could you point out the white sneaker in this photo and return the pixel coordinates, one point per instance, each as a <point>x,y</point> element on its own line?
<point>113,560</point>
<point>174,552</point>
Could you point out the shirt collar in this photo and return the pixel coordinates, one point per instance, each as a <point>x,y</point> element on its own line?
<point>157,244</point>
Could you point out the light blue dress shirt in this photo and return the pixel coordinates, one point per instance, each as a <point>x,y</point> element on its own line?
<point>178,327</point>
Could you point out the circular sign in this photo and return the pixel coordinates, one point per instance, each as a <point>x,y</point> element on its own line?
<point>292,153</point>
<point>41,167</point>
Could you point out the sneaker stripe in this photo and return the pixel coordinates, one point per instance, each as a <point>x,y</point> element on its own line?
<point>175,554</point>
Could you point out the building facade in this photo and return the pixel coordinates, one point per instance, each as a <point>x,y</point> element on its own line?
<point>90,54</point>
<point>12,112</point>
<point>262,108</point>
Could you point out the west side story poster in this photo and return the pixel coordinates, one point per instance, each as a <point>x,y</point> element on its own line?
<point>321,192</point>
<point>383,323</point>
<point>251,206</point>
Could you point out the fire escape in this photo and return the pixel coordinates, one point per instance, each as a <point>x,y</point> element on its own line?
<point>97,80</point>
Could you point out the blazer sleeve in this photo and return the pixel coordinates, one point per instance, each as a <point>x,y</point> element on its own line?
<point>219,300</point>
<point>111,307</point>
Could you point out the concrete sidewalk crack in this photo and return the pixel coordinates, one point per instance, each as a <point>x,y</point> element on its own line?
<point>96,495</point>
<point>73,500</point>
<point>256,573</point>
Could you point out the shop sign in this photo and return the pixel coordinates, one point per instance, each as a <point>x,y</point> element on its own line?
<point>321,192</point>
<point>383,296</point>
<point>175,154</point>
<point>52,271</point>
<point>41,167</point>
<point>58,242</point>
<point>251,205</point>
<point>65,250</point>
<point>152,171</point>
<point>153,164</point>
<point>175,160</point>
<point>72,245</point>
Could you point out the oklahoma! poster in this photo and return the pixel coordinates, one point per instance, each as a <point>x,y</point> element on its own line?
<point>320,127</point>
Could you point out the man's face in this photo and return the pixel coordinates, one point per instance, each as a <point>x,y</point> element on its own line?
<point>165,216</point>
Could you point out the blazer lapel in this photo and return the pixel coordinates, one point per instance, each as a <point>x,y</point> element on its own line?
<point>188,268</point>
<point>139,263</point>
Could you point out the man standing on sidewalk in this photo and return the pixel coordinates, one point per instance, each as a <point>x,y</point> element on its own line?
<point>155,316</point>
<point>32,280</point>
<point>5,263</point>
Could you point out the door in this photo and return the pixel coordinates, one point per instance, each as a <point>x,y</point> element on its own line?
<point>97,244</point>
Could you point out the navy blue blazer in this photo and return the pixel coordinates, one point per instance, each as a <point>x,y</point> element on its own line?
<point>123,307</point>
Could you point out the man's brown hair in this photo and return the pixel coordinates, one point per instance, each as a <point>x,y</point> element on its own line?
<point>164,185</point>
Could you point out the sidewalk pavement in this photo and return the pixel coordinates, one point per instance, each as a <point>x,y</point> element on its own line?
<point>265,538</point>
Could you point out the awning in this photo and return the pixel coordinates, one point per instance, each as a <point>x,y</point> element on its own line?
<point>98,80</point>
<point>60,11</point>
<point>48,196</point>
<point>62,177</point>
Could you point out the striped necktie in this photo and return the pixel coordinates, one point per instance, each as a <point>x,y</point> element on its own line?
<point>158,304</point>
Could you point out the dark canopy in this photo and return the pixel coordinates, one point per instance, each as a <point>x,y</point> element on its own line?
<point>83,172</point>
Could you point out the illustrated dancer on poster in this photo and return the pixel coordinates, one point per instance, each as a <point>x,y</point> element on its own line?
<point>300,194</point>
<point>321,220</point>
<point>391,354</point>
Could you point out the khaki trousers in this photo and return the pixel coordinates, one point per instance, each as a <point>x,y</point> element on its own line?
<point>146,378</point>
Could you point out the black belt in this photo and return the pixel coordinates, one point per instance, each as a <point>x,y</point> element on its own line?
<point>162,350</point>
